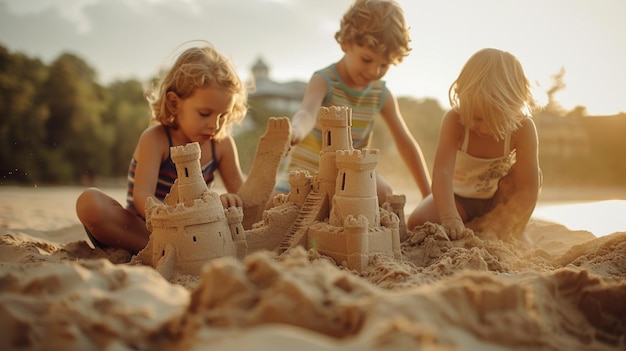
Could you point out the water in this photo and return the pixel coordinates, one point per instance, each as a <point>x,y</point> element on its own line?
<point>598,217</point>
<point>52,208</point>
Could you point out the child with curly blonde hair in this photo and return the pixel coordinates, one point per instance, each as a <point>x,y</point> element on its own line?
<point>486,175</point>
<point>373,36</point>
<point>198,99</point>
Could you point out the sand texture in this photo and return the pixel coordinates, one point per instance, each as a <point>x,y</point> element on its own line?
<point>566,291</point>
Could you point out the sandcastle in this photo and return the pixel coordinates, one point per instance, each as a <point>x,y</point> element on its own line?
<point>334,211</point>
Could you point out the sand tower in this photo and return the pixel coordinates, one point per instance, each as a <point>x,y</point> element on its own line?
<point>191,227</point>
<point>355,191</point>
<point>336,135</point>
<point>190,183</point>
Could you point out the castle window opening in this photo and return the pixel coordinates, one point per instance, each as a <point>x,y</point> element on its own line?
<point>162,253</point>
<point>186,172</point>
<point>343,181</point>
<point>194,239</point>
<point>328,139</point>
<point>371,175</point>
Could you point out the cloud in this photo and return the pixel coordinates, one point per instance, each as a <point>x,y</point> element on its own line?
<point>124,39</point>
<point>71,11</point>
<point>131,38</point>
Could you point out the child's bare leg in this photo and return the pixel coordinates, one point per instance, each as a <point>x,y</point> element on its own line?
<point>382,189</point>
<point>424,212</point>
<point>109,222</point>
<point>500,219</point>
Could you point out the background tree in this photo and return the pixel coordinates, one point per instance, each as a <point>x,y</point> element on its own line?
<point>77,138</point>
<point>58,125</point>
<point>23,118</point>
<point>128,114</point>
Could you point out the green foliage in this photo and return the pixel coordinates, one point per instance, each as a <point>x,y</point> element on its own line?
<point>75,126</point>
<point>22,117</point>
<point>128,111</point>
<point>58,125</point>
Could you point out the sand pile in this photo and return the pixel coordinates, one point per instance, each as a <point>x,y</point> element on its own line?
<point>566,291</point>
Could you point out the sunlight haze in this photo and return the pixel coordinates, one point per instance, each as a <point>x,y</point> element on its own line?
<point>130,39</point>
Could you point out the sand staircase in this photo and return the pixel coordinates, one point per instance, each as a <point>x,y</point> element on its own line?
<point>308,214</point>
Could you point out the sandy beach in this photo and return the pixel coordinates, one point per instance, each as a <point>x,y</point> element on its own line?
<point>565,291</point>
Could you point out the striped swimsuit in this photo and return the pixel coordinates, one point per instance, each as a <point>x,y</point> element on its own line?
<point>167,175</point>
<point>365,104</point>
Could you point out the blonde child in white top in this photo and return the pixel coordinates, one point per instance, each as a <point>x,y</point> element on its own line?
<point>486,175</point>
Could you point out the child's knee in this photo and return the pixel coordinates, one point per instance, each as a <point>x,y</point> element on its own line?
<point>383,189</point>
<point>417,218</point>
<point>88,203</point>
<point>413,221</point>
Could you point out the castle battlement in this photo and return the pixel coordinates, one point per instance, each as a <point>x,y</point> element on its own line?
<point>361,159</point>
<point>336,116</point>
<point>234,215</point>
<point>299,177</point>
<point>164,214</point>
<point>356,224</point>
<point>185,153</point>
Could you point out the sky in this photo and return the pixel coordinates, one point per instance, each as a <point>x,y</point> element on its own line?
<point>126,39</point>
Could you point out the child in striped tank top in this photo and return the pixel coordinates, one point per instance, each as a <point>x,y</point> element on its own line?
<point>373,36</point>
<point>198,99</point>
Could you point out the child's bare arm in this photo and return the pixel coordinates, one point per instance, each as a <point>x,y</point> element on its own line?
<point>230,171</point>
<point>151,149</point>
<point>304,120</point>
<point>443,171</point>
<point>409,149</point>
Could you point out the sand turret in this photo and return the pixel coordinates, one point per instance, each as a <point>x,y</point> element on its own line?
<point>336,124</point>
<point>355,191</point>
<point>190,227</point>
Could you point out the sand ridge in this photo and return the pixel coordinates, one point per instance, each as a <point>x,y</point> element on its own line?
<point>440,295</point>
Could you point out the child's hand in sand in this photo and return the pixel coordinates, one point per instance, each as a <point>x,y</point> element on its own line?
<point>454,227</point>
<point>231,200</point>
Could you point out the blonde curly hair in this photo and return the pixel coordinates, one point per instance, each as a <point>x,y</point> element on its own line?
<point>197,67</point>
<point>378,25</point>
<point>492,85</point>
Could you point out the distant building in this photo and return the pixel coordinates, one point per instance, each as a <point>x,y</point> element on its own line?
<point>283,98</point>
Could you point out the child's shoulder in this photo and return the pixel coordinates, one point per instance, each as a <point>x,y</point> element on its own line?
<point>454,114</point>
<point>452,118</point>
<point>154,135</point>
<point>526,125</point>
<point>527,132</point>
<point>153,140</point>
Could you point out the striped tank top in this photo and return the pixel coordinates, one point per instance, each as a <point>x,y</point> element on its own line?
<point>366,105</point>
<point>167,175</point>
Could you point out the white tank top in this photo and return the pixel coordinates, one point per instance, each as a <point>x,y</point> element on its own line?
<point>476,177</point>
